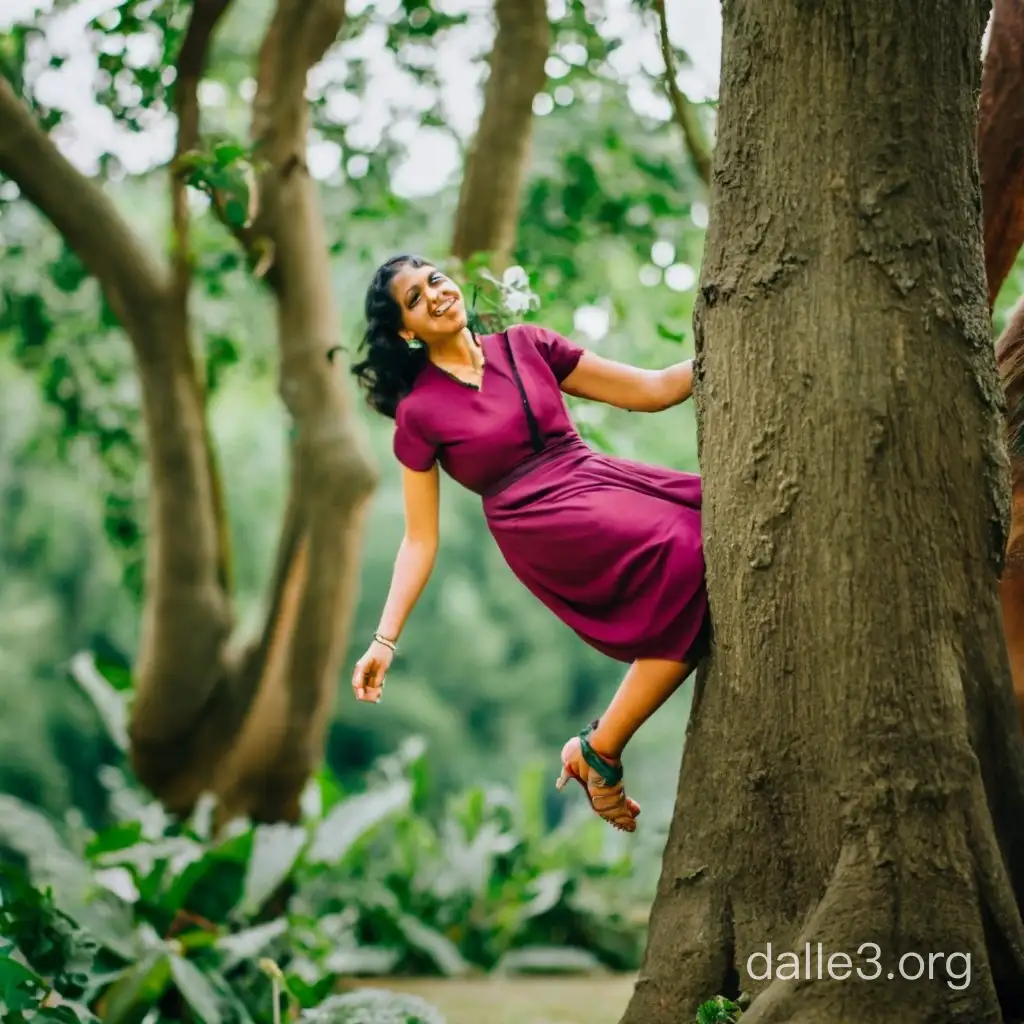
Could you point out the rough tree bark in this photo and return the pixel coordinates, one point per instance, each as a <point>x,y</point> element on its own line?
<point>241,720</point>
<point>489,198</point>
<point>1001,161</point>
<point>852,774</point>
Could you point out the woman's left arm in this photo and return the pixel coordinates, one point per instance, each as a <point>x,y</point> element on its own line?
<point>629,387</point>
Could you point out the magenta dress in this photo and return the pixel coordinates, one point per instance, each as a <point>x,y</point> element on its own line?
<point>610,546</point>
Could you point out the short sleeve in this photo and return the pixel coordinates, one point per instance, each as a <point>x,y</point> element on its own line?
<point>411,446</point>
<point>559,353</point>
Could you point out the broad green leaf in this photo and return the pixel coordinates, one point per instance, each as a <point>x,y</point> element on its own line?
<point>20,987</point>
<point>441,950</point>
<point>249,943</point>
<point>197,991</point>
<point>51,864</point>
<point>548,889</point>
<point>275,849</point>
<point>138,988</point>
<point>109,704</point>
<point>118,837</point>
<point>353,818</point>
<point>371,961</point>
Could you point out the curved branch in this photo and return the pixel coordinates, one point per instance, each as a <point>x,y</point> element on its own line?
<point>1001,142</point>
<point>206,15</point>
<point>86,218</point>
<point>488,209</point>
<point>685,112</point>
<point>293,668</point>
<point>191,65</point>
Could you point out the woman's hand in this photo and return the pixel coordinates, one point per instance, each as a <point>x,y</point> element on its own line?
<point>372,667</point>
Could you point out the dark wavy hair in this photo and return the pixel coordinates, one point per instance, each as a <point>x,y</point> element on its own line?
<point>390,366</point>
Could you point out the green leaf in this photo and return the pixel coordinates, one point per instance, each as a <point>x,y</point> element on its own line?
<point>372,961</point>
<point>353,818</point>
<point>20,988</point>
<point>51,864</point>
<point>669,335</point>
<point>197,991</point>
<point>227,153</point>
<point>718,1011</point>
<point>118,675</point>
<point>441,950</point>
<point>138,988</point>
<point>275,849</point>
<point>109,704</point>
<point>249,943</point>
<point>548,889</point>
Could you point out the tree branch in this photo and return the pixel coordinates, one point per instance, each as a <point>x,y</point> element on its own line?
<point>132,279</point>
<point>206,14</point>
<point>1001,142</point>
<point>300,33</point>
<point>488,210</point>
<point>191,65</point>
<point>685,112</point>
<point>294,666</point>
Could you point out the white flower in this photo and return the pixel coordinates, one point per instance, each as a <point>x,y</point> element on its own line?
<point>515,278</point>
<point>517,302</point>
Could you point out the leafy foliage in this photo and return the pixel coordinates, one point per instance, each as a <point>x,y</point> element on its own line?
<point>367,884</point>
<point>43,955</point>
<point>719,1011</point>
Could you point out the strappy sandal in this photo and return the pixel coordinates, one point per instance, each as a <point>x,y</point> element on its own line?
<point>601,781</point>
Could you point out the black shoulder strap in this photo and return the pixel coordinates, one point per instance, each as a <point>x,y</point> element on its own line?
<point>535,437</point>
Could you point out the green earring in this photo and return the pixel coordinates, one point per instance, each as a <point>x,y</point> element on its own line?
<point>415,343</point>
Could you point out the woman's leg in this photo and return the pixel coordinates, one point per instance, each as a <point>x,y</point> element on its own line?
<point>646,686</point>
<point>595,759</point>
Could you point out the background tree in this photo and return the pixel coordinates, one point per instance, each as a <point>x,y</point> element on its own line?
<point>489,199</point>
<point>866,711</point>
<point>245,722</point>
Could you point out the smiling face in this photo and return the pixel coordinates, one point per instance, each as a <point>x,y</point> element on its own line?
<point>431,304</point>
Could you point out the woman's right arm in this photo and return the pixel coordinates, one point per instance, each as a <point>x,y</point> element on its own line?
<point>413,566</point>
<point>415,559</point>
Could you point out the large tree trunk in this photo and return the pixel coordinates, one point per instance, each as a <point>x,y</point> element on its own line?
<point>853,773</point>
<point>243,721</point>
<point>488,210</point>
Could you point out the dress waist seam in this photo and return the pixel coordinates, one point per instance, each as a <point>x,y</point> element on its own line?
<point>534,462</point>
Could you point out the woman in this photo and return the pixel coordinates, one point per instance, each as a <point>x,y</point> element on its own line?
<point>612,547</point>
